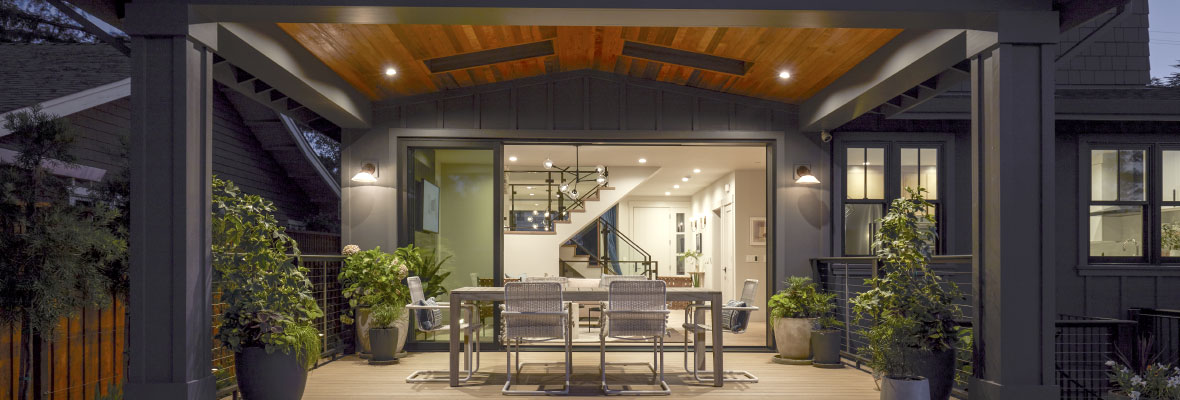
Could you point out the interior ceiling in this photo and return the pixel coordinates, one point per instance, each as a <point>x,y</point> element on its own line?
<point>814,56</point>
<point>675,162</point>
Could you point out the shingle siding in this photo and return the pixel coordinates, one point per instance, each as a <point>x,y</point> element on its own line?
<point>1118,56</point>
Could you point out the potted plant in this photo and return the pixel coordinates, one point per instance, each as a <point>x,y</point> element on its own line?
<point>825,336</point>
<point>695,256</point>
<point>794,310</point>
<point>267,320</point>
<point>1148,382</point>
<point>375,279</point>
<point>1170,240</point>
<point>912,311</point>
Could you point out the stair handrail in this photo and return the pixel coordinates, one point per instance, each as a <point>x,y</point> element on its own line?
<point>647,258</point>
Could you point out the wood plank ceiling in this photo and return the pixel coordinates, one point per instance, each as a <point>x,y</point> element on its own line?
<point>814,57</point>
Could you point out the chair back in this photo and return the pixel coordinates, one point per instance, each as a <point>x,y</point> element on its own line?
<point>637,295</point>
<point>606,280</point>
<point>533,297</point>
<point>416,293</point>
<point>749,291</point>
<point>565,282</point>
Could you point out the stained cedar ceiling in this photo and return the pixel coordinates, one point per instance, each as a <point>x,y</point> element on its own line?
<point>814,57</point>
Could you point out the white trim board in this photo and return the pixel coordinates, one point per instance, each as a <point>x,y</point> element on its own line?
<point>60,168</point>
<point>84,100</point>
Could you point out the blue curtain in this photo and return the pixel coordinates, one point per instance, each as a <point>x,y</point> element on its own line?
<point>612,242</point>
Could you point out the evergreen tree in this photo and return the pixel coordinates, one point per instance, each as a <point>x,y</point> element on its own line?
<point>1172,80</point>
<point>55,252</point>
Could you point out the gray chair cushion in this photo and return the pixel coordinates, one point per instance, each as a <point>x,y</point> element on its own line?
<point>735,320</point>
<point>428,319</point>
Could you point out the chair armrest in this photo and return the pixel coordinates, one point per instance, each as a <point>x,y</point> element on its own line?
<point>534,313</point>
<point>609,312</point>
<point>746,308</point>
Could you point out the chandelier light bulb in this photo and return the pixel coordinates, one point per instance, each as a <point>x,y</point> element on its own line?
<point>601,180</point>
<point>599,169</point>
<point>548,164</point>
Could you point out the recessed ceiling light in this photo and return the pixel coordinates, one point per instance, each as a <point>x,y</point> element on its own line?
<point>532,194</point>
<point>784,75</point>
<point>667,193</point>
<point>676,186</point>
<point>643,161</point>
<point>684,179</point>
<point>696,170</point>
<point>390,71</point>
<point>512,158</point>
<point>536,205</point>
<point>528,187</point>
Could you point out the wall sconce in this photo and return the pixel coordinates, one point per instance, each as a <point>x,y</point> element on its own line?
<point>803,174</point>
<point>367,174</point>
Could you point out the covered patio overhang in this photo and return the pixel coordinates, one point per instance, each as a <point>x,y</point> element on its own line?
<point>1005,48</point>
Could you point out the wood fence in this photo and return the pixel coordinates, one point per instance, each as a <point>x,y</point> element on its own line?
<point>83,361</point>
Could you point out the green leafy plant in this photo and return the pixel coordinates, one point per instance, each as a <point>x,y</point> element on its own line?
<point>427,266</point>
<point>909,307</point>
<point>1153,381</point>
<point>267,295</point>
<point>693,254</point>
<point>1170,237</point>
<point>800,299</point>
<point>55,253</point>
<point>375,278</point>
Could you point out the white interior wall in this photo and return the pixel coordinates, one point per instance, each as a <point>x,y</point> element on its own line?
<point>626,225</point>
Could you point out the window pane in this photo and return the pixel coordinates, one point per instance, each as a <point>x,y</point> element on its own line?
<point>866,173</point>
<point>1116,231</point>
<point>680,222</point>
<point>860,225</point>
<point>1171,191</point>
<point>1170,231</point>
<point>919,168</point>
<point>1118,175</point>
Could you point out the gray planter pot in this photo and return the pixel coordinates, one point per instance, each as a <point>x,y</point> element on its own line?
<point>274,376</point>
<point>825,348</point>
<point>383,342</point>
<point>937,367</point>
<point>792,337</point>
<point>904,388</point>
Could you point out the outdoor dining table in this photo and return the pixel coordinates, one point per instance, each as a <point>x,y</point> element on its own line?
<point>593,294</point>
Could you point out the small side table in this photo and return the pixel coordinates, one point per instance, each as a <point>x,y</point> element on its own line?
<point>698,278</point>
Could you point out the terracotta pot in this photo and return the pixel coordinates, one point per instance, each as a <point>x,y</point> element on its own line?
<point>904,388</point>
<point>274,376</point>
<point>792,336</point>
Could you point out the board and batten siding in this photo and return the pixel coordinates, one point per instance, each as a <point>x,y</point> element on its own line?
<point>1111,290</point>
<point>586,100</point>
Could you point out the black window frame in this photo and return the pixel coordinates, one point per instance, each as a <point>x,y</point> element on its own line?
<point>892,189</point>
<point>1152,204</point>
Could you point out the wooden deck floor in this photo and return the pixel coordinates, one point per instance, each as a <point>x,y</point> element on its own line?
<point>353,378</point>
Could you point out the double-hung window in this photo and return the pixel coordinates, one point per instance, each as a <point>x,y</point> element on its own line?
<point>874,175</point>
<point>1134,204</point>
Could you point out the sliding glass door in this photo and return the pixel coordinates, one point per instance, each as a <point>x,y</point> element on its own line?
<point>450,210</point>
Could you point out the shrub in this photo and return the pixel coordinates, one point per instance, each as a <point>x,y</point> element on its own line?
<point>800,299</point>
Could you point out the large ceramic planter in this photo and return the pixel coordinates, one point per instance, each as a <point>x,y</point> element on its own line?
<point>363,323</point>
<point>403,330</point>
<point>904,388</point>
<point>825,348</point>
<point>792,336</point>
<point>274,376</point>
<point>1174,253</point>
<point>383,342</point>
<point>937,367</point>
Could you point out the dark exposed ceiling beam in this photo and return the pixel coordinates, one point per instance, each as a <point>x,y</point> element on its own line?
<point>491,56</point>
<point>692,59</point>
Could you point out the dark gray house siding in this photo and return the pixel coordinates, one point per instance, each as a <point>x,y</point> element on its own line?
<point>1116,55</point>
<point>237,155</point>
<point>586,100</point>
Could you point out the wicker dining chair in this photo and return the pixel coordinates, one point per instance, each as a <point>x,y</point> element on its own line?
<point>429,319</point>
<point>604,282</point>
<point>535,312</point>
<point>565,282</point>
<point>735,318</point>
<point>636,310</point>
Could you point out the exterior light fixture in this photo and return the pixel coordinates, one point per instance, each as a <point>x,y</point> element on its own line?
<point>643,161</point>
<point>784,74</point>
<point>684,179</point>
<point>367,174</point>
<point>803,174</point>
<point>390,71</point>
<point>548,164</point>
<point>696,170</point>
<point>512,158</point>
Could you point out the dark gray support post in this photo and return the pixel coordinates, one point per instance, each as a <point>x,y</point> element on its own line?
<point>1013,163</point>
<point>169,342</point>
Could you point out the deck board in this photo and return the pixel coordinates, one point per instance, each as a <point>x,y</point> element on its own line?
<point>352,378</point>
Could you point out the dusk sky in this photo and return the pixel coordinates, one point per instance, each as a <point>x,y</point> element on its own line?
<point>1165,36</point>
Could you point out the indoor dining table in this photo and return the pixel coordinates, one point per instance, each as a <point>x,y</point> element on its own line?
<point>589,295</point>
